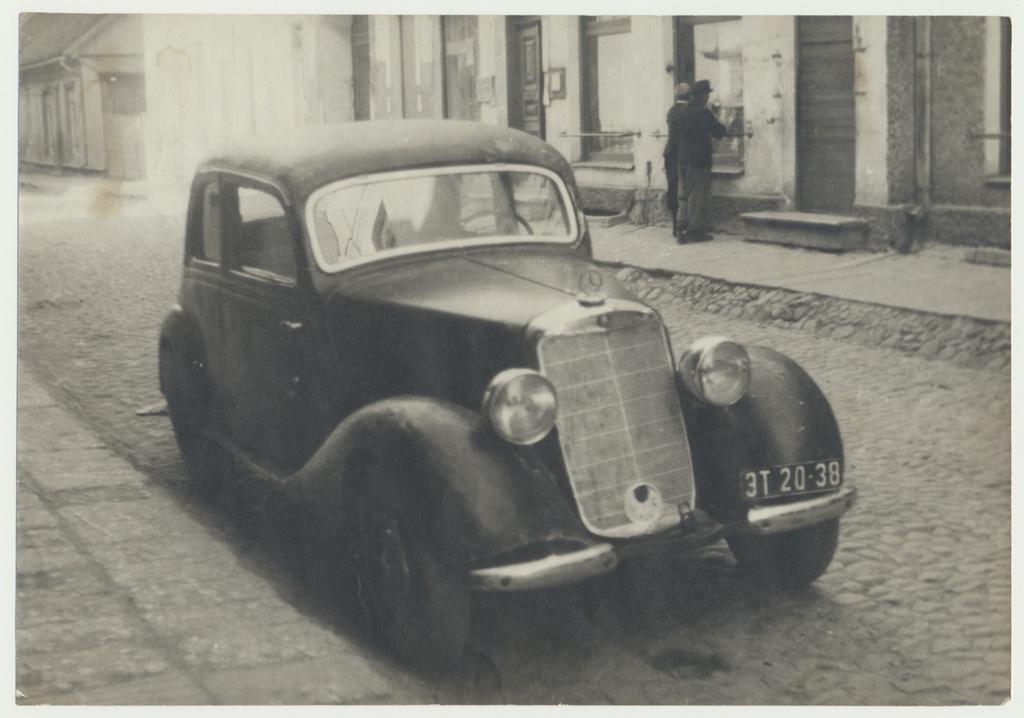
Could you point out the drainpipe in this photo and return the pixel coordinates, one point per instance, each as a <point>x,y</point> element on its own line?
<point>917,214</point>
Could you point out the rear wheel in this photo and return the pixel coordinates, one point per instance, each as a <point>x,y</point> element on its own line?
<point>186,389</point>
<point>416,604</point>
<point>789,560</point>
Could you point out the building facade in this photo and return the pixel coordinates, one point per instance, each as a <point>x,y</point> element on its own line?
<point>81,99</point>
<point>902,121</point>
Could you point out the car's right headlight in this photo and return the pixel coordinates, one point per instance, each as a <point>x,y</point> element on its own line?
<point>716,370</point>
<point>521,404</point>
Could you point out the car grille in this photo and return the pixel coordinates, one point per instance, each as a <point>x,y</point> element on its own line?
<point>619,424</point>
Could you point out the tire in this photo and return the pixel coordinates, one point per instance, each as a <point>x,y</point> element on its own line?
<point>788,561</point>
<point>418,607</point>
<point>188,405</point>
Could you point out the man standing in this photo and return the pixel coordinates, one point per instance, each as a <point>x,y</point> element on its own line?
<point>671,155</point>
<point>697,125</point>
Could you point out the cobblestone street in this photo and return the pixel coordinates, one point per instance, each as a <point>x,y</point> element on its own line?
<point>915,609</point>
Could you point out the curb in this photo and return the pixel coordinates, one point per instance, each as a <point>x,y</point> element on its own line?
<point>966,341</point>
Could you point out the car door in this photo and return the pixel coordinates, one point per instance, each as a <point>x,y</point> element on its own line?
<point>266,336</point>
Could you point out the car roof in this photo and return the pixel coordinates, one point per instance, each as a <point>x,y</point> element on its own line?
<point>301,162</point>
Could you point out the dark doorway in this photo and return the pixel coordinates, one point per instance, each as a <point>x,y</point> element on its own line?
<point>525,106</point>
<point>826,123</point>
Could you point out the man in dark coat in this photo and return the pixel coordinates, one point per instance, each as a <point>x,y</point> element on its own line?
<point>671,155</point>
<point>697,125</point>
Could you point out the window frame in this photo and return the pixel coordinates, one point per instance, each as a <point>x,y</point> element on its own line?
<point>195,246</point>
<point>571,237</point>
<point>231,235</point>
<point>591,28</point>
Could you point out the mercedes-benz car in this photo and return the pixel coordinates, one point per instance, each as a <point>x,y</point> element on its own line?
<point>402,327</point>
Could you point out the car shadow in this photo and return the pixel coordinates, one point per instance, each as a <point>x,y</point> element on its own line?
<point>514,636</point>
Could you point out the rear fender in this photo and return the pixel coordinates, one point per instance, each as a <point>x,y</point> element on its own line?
<point>784,419</point>
<point>474,495</point>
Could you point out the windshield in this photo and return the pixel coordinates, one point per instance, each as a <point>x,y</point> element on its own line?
<point>354,220</point>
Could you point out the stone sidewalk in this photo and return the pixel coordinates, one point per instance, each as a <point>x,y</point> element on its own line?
<point>99,623</point>
<point>939,279</point>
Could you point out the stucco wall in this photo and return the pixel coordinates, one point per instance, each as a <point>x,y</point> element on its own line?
<point>330,85</point>
<point>958,103</point>
<point>871,109</point>
<point>214,79</point>
<point>900,132</point>
<point>561,49</point>
<point>211,80</point>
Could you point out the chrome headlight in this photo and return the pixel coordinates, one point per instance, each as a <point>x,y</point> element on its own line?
<point>521,405</point>
<point>716,370</point>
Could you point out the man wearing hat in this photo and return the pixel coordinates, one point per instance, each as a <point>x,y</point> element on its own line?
<point>671,155</point>
<point>697,125</point>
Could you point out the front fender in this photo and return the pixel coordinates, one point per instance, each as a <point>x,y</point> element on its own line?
<point>182,353</point>
<point>784,419</point>
<point>474,495</point>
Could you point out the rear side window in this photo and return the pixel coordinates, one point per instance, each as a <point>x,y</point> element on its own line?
<point>209,246</point>
<point>261,235</point>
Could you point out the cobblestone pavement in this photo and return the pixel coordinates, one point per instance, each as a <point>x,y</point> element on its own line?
<point>965,341</point>
<point>915,610</point>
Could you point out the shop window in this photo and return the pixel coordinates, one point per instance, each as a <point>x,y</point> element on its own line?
<point>421,94</point>
<point>361,66</point>
<point>608,104</point>
<point>460,67</point>
<point>711,48</point>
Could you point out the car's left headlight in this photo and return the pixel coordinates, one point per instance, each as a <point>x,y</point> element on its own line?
<point>716,370</point>
<point>521,405</point>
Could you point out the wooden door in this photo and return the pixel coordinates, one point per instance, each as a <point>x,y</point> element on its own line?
<point>826,124</point>
<point>525,102</point>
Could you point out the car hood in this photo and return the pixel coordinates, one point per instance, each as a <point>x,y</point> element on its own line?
<point>444,325</point>
<point>508,287</point>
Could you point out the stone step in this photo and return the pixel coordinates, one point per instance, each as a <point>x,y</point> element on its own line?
<point>830,232</point>
<point>990,256</point>
<point>996,192</point>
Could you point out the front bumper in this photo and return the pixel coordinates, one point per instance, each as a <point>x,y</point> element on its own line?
<point>696,530</point>
<point>767,520</point>
<point>547,572</point>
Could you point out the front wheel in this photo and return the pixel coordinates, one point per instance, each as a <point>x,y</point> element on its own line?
<point>416,605</point>
<point>790,560</point>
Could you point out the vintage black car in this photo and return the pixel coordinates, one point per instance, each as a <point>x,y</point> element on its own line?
<point>401,325</point>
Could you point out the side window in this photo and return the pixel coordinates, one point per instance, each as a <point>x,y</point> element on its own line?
<point>261,235</point>
<point>209,245</point>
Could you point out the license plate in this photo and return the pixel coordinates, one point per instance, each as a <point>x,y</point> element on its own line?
<point>809,478</point>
